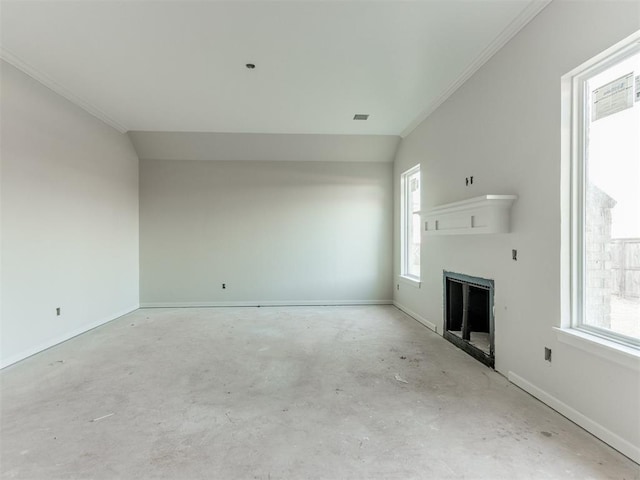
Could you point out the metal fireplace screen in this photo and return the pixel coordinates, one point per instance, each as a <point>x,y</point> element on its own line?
<point>468,315</point>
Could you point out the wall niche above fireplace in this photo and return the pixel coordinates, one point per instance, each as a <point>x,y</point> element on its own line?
<point>468,315</point>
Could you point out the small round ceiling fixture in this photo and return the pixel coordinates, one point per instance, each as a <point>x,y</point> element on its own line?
<point>250,66</point>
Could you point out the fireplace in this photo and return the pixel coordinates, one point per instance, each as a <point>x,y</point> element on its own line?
<point>468,315</point>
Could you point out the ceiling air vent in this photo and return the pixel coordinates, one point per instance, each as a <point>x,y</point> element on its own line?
<point>361,116</point>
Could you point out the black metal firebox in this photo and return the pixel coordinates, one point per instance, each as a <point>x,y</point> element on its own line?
<point>468,315</point>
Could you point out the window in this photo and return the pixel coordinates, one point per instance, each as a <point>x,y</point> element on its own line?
<point>410,223</point>
<point>605,194</point>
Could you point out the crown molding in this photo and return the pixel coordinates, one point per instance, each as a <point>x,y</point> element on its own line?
<point>528,14</point>
<point>50,83</point>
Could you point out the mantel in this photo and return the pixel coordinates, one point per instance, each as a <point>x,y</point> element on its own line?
<point>484,214</point>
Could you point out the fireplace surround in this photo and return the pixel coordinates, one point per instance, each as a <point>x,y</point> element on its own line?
<point>468,315</point>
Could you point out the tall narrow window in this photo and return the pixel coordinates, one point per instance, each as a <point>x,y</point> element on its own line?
<point>606,196</point>
<point>410,253</point>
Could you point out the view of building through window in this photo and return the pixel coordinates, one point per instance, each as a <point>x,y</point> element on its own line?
<point>612,199</point>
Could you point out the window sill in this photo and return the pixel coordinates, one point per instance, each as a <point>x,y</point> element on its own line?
<point>409,281</point>
<point>612,351</point>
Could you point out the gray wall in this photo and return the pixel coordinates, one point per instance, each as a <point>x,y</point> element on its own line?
<point>69,219</point>
<point>504,127</point>
<point>274,232</point>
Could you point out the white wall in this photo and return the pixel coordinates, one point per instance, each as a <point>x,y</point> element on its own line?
<point>262,146</point>
<point>503,127</point>
<point>69,219</point>
<point>274,232</point>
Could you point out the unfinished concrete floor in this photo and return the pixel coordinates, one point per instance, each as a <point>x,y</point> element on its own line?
<point>300,392</point>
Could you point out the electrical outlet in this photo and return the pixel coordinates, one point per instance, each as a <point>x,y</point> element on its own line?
<point>57,311</point>
<point>514,255</point>
<point>547,354</point>
<point>224,286</point>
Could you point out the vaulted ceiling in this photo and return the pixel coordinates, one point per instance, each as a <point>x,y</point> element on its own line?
<point>180,66</point>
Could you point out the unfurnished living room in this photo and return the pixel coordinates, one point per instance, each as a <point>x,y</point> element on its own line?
<point>320,239</point>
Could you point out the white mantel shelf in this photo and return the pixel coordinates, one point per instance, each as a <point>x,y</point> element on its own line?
<point>484,214</point>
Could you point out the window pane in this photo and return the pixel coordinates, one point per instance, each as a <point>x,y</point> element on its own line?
<point>414,256</point>
<point>612,200</point>
<point>414,182</point>
<point>411,223</point>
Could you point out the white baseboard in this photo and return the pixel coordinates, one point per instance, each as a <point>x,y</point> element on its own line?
<point>623,446</point>
<point>64,337</point>
<point>415,316</point>
<point>267,303</point>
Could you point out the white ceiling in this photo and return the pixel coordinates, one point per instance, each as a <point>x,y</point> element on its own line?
<point>179,66</point>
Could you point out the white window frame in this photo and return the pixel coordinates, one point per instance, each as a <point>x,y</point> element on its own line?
<point>406,224</point>
<point>574,123</point>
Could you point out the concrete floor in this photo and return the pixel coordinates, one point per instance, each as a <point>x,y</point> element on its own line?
<point>300,392</point>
